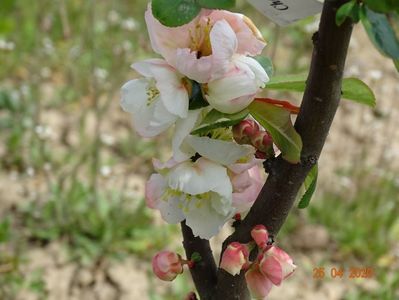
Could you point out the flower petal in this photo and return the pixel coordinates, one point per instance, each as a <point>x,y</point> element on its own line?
<point>224,45</point>
<point>198,69</point>
<point>203,219</point>
<point>154,189</point>
<point>165,40</point>
<point>250,40</point>
<point>173,94</point>
<point>252,68</point>
<point>258,284</point>
<point>232,93</point>
<point>134,95</point>
<point>272,269</point>
<point>223,152</point>
<point>182,130</point>
<point>170,210</point>
<point>198,178</point>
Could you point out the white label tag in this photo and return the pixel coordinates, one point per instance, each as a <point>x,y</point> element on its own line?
<point>284,12</point>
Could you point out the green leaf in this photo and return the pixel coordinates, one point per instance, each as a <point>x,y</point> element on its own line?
<point>266,63</point>
<point>310,186</point>
<point>175,13</point>
<point>396,63</point>
<point>214,4</point>
<point>380,32</point>
<point>382,6</point>
<point>356,90</point>
<point>216,119</point>
<point>277,122</point>
<point>352,88</point>
<point>344,11</point>
<point>294,83</point>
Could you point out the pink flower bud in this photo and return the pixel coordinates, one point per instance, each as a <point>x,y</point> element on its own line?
<point>234,258</point>
<point>258,284</point>
<point>262,141</point>
<point>167,265</point>
<point>260,235</point>
<point>243,131</point>
<point>276,265</point>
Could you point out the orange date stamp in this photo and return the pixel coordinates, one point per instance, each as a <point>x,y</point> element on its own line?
<point>320,273</point>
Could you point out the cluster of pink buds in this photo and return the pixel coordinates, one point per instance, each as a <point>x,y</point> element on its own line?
<point>270,268</point>
<point>249,132</point>
<point>166,265</point>
<point>235,258</point>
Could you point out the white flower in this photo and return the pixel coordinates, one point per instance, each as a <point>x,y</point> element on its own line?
<point>157,100</point>
<point>199,192</point>
<point>200,48</point>
<point>239,78</point>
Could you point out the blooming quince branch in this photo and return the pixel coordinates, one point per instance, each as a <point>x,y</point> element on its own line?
<point>205,87</point>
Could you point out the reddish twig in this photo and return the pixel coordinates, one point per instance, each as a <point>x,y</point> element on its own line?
<point>280,103</point>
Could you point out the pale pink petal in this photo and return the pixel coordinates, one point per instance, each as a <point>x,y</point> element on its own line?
<point>166,40</point>
<point>199,177</point>
<point>258,284</point>
<point>223,152</point>
<point>252,68</point>
<point>224,45</point>
<point>246,187</point>
<point>205,221</point>
<point>182,130</point>
<point>159,166</point>
<point>272,269</point>
<point>240,167</point>
<point>260,235</point>
<point>155,67</point>
<point>285,260</point>
<point>232,93</point>
<point>198,69</point>
<point>167,265</point>
<point>134,95</point>
<point>170,210</point>
<point>154,189</point>
<point>175,98</point>
<point>234,258</point>
<point>250,40</point>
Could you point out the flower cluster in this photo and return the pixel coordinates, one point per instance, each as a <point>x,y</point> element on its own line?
<point>207,65</point>
<point>271,266</point>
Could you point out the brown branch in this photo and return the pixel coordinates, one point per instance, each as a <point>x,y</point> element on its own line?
<point>319,105</point>
<point>203,272</point>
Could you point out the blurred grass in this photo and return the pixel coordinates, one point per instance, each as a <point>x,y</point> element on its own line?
<point>61,128</point>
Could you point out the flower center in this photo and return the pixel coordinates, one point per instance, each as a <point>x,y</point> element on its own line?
<point>186,199</point>
<point>152,93</point>
<point>200,39</point>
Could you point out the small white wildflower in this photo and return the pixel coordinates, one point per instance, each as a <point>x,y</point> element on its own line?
<point>105,171</point>
<point>30,171</point>
<point>100,73</point>
<point>129,24</point>
<point>43,131</point>
<point>114,17</point>
<point>6,45</point>
<point>107,139</point>
<point>375,74</point>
